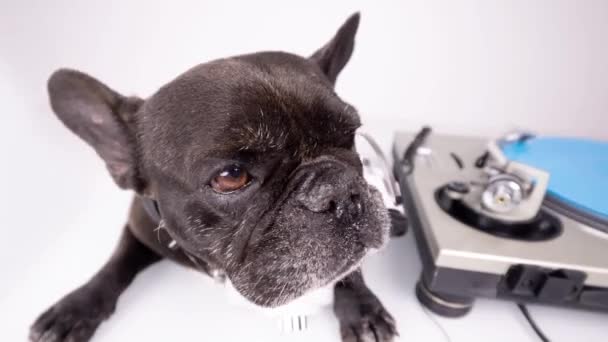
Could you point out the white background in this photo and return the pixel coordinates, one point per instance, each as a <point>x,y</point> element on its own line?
<point>475,67</point>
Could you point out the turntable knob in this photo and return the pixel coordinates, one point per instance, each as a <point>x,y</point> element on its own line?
<point>502,195</point>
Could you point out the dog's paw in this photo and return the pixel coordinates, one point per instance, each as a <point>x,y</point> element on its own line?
<point>73,319</point>
<point>362,316</point>
<point>378,326</point>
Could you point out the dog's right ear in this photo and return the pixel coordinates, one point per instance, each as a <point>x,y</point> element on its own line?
<point>102,118</point>
<point>332,57</point>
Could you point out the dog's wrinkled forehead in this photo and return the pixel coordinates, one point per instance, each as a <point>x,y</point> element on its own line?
<point>261,102</point>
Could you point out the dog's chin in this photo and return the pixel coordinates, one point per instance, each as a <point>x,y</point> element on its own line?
<point>305,251</point>
<point>274,291</point>
<point>320,293</point>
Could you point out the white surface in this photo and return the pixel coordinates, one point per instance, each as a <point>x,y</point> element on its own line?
<point>170,303</point>
<point>461,66</point>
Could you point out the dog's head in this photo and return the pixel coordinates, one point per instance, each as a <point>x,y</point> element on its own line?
<point>252,162</point>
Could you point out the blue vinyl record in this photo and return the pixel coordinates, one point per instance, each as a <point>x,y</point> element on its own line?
<point>578,169</point>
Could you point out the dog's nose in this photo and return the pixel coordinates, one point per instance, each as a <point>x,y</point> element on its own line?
<point>332,190</point>
<point>346,207</point>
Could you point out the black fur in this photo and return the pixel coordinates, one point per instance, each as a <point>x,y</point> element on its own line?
<point>306,219</point>
<point>362,316</point>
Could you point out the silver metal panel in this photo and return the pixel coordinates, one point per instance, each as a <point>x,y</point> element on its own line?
<point>456,245</point>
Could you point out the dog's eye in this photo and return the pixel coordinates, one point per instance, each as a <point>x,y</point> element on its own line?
<point>230,179</point>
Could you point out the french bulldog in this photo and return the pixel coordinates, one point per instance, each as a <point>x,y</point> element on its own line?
<point>249,166</point>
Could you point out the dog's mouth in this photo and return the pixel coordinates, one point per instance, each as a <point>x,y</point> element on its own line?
<point>310,299</point>
<point>277,288</point>
<point>303,251</point>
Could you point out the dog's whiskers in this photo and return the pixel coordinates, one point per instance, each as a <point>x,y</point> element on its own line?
<point>280,296</point>
<point>161,225</point>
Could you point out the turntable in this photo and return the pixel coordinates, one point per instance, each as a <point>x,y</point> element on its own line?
<point>521,218</point>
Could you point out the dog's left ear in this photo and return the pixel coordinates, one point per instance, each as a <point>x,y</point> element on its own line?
<point>101,117</point>
<point>332,57</point>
